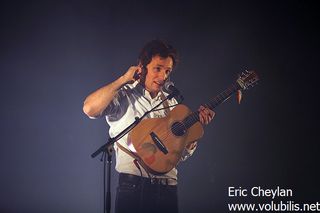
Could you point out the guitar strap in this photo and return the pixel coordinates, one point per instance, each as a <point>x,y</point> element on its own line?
<point>136,159</point>
<point>133,155</point>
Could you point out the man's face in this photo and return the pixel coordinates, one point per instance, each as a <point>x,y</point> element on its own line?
<point>158,71</point>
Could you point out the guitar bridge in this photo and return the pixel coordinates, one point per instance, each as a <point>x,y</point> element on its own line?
<point>158,143</point>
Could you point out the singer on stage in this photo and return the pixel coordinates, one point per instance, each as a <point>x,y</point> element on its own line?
<point>130,96</point>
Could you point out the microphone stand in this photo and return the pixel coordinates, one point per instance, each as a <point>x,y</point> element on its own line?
<point>106,149</point>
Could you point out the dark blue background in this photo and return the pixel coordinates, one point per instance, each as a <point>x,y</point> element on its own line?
<point>54,53</point>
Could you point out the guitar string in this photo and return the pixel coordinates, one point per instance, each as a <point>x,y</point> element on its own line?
<point>191,118</point>
<point>187,122</point>
<point>215,102</point>
<point>169,132</point>
<point>212,104</point>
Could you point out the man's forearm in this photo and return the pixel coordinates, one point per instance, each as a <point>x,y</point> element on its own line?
<point>96,102</point>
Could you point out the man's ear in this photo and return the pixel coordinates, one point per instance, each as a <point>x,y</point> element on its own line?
<point>143,73</point>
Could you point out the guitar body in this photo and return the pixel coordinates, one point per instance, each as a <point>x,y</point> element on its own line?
<point>141,143</point>
<point>159,142</point>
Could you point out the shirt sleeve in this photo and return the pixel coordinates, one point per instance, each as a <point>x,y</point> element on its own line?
<point>188,152</point>
<point>116,109</point>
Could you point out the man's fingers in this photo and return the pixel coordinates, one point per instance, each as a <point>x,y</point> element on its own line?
<point>205,114</point>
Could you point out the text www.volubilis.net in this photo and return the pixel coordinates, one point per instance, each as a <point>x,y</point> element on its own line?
<point>274,207</point>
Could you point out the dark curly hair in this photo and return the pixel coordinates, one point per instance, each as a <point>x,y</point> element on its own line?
<point>154,48</point>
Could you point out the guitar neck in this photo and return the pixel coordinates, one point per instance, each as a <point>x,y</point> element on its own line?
<point>222,97</point>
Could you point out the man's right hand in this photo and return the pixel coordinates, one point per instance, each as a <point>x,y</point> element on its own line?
<point>96,102</point>
<point>133,74</point>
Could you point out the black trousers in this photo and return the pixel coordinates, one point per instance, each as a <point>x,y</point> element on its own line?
<point>138,194</point>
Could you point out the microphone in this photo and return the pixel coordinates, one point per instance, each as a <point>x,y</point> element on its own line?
<point>169,87</point>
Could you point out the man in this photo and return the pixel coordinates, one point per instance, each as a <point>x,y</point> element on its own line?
<point>130,96</point>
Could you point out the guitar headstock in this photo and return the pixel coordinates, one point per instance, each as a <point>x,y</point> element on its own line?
<point>247,79</point>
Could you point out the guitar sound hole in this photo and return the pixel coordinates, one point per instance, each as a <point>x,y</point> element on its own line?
<point>178,129</point>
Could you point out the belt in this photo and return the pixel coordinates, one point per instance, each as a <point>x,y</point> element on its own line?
<point>134,179</point>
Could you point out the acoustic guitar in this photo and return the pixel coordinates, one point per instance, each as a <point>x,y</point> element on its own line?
<point>159,142</point>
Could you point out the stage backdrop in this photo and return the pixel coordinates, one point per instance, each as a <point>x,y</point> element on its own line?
<point>54,53</point>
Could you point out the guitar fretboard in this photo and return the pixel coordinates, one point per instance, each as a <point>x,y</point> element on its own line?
<point>223,96</point>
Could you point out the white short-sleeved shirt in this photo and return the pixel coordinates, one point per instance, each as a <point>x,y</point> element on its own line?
<point>133,101</point>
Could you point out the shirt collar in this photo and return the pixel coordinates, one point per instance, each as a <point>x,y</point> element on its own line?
<point>145,92</point>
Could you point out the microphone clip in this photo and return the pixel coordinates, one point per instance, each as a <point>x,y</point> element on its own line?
<point>173,91</point>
